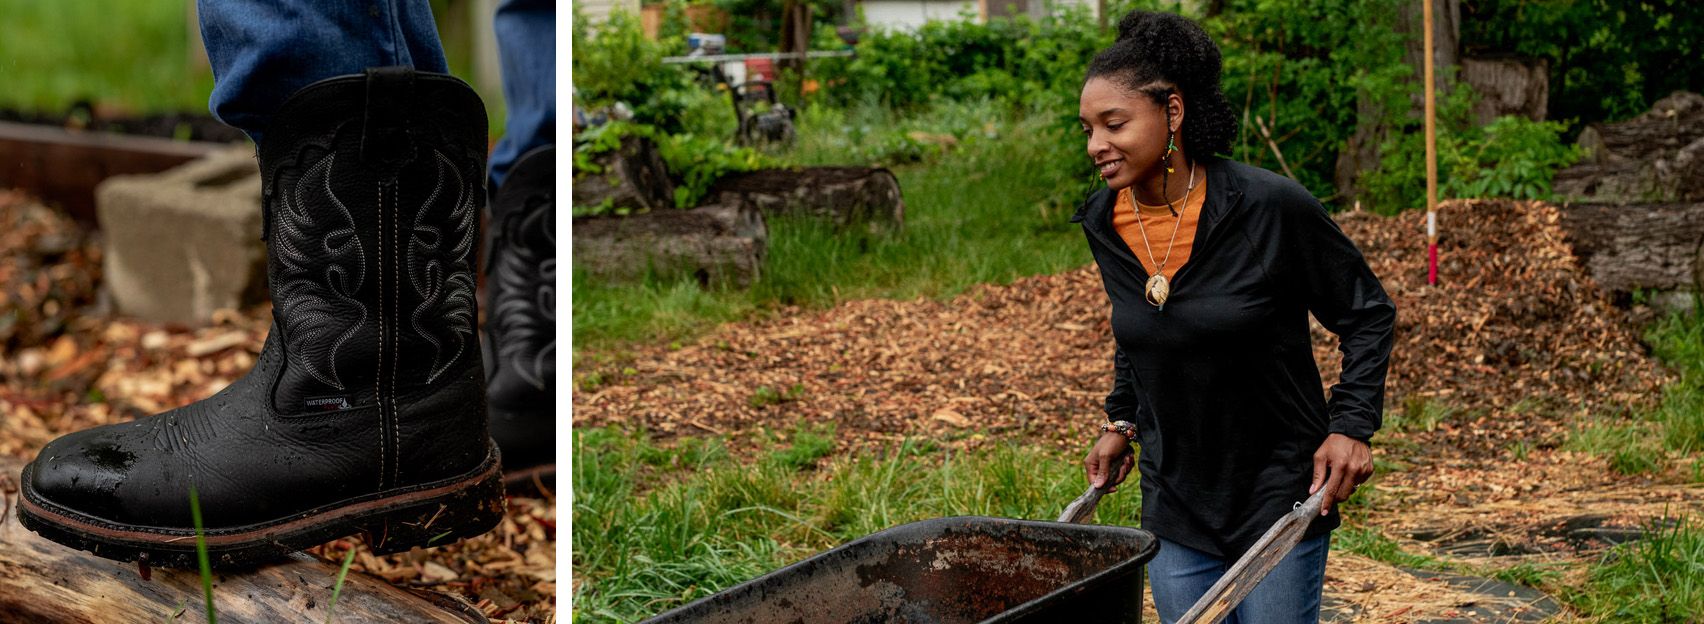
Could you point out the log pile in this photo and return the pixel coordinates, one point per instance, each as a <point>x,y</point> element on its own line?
<point>715,244</point>
<point>724,241</point>
<point>1636,215</point>
<point>1657,157</point>
<point>845,196</point>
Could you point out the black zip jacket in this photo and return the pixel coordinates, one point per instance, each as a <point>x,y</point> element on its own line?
<point>1221,382</point>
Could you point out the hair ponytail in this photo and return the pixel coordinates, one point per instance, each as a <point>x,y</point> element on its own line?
<point>1157,53</point>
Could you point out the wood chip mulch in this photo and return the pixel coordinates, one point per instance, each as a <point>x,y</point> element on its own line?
<point>1490,371</point>
<point>1514,345</point>
<point>67,364</point>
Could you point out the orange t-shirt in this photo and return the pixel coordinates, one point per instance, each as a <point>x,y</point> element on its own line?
<point>1159,223</point>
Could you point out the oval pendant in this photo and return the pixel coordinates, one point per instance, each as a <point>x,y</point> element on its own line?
<point>1158,289</point>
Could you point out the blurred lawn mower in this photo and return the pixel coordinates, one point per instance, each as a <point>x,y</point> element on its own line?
<point>762,118</point>
<point>750,81</point>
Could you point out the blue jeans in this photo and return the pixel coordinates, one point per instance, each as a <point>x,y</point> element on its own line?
<point>526,48</point>
<point>264,50</point>
<point>1180,575</point>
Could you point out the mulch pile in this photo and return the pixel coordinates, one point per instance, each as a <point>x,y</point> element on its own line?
<point>66,364</point>
<point>1514,344</point>
<point>1515,341</point>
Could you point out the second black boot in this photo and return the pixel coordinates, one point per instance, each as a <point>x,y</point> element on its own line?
<point>365,412</point>
<point>520,324</point>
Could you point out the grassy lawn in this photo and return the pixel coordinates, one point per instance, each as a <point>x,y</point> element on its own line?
<point>657,527</point>
<point>993,207</point>
<point>133,56</point>
<point>1674,432</point>
<point>1660,578</point>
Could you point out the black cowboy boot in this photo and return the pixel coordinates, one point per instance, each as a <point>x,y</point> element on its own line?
<point>366,409</point>
<point>520,325</point>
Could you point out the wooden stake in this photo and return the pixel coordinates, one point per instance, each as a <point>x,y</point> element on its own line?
<point>1431,155</point>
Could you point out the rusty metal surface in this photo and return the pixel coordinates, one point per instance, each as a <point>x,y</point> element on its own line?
<point>62,167</point>
<point>949,571</point>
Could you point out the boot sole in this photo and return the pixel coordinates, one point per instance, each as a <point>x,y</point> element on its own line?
<point>427,515</point>
<point>534,481</point>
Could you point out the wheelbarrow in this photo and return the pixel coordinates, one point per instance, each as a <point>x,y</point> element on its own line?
<point>949,570</point>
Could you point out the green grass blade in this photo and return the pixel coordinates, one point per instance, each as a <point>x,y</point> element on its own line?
<point>337,588</point>
<point>201,556</point>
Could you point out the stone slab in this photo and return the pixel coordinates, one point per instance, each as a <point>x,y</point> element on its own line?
<point>185,242</point>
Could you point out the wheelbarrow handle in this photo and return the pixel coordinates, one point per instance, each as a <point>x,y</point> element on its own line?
<point>1082,509</point>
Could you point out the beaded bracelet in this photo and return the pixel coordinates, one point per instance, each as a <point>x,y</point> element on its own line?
<point>1122,427</point>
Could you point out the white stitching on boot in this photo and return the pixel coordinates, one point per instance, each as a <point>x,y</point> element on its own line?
<point>313,303</point>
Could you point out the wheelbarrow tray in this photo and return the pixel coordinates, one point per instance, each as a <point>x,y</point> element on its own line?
<point>949,570</point>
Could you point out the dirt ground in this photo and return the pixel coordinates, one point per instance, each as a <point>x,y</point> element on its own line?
<point>1491,369</point>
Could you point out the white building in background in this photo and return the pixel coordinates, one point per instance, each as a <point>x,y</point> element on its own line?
<point>596,11</point>
<point>910,14</point>
<point>888,14</point>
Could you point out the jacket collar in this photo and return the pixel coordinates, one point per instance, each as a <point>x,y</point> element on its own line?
<point>1226,186</point>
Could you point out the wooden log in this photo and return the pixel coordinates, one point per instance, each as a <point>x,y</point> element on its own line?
<point>715,244</point>
<point>43,581</point>
<point>1640,246</point>
<point>632,177</point>
<point>1655,157</point>
<point>846,196</point>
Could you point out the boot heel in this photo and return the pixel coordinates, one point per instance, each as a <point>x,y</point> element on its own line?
<point>440,521</point>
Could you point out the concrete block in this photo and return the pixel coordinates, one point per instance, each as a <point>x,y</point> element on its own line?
<point>182,243</point>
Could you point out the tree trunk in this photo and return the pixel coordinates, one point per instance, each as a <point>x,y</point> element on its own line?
<point>795,38</point>
<point>42,581</point>
<point>1644,246</point>
<point>1507,86</point>
<point>1361,153</point>
<point>846,196</point>
<point>631,177</point>
<point>714,243</point>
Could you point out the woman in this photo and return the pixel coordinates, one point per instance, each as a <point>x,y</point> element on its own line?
<point>1212,267</point>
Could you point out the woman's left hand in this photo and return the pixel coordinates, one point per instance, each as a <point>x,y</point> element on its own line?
<point>1339,465</point>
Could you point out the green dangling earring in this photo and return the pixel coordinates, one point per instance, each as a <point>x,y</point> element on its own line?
<point>1171,146</point>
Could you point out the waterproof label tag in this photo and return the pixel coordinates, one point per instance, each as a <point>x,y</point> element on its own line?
<point>327,404</point>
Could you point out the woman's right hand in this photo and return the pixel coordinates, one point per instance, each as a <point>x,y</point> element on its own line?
<point>1109,461</point>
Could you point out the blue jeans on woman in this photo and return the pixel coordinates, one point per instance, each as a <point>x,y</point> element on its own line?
<point>264,50</point>
<point>1290,594</point>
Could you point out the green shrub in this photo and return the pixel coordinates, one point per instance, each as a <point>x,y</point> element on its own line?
<point>1299,65</point>
<point>694,161</point>
<point>1302,68</point>
<point>1514,158</point>
<point>1018,60</point>
<point>618,64</point>
<point>1608,60</point>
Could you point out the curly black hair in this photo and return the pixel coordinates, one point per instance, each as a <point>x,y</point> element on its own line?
<point>1158,52</point>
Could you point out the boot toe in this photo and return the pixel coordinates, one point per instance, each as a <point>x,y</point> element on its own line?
<point>84,472</point>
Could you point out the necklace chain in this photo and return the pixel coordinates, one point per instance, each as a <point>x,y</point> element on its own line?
<point>1160,265</point>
